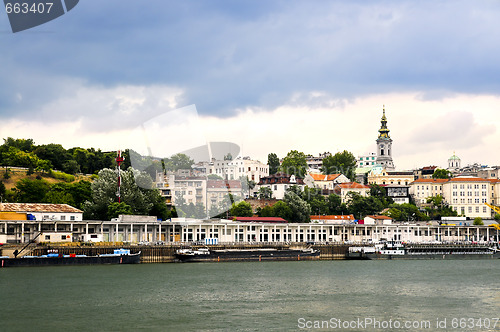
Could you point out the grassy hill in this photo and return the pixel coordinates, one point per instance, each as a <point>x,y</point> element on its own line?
<point>17,174</point>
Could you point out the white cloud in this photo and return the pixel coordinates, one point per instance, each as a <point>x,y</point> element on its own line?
<point>425,132</point>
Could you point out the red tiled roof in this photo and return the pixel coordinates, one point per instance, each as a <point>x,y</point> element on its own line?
<point>323,177</point>
<point>430,181</point>
<point>260,219</point>
<point>380,217</point>
<point>468,180</point>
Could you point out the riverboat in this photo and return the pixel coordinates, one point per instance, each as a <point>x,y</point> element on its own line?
<point>261,254</point>
<point>400,250</point>
<point>119,256</point>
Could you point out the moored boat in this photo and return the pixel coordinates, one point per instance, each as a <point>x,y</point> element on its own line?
<point>399,250</point>
<point>119,256</point>
<point>261,254</point>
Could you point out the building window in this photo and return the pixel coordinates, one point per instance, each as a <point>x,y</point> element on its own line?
<point>72,218</point>
<point>63,217</point>
<point>47,237</point>
<point>477,209</point>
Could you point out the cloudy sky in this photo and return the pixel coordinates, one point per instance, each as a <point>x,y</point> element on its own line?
<point>270,76</point>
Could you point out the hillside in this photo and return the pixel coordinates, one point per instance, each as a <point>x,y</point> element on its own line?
<point>17,174</point>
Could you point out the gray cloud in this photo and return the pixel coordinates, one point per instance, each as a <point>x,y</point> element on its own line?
<point>226,55</point>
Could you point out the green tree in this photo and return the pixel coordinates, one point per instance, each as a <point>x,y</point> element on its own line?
<point>22,144</point>
<point>70,167</point>
<point>438,208</point>
<point>335,205</point>
<point>301,211</point>
<point>3,190</point>
<point>266,211</point>
<point>56,154</point>
<point>317,202</point>
<point>294,163</point>
<point>180,161</point>
<point>282,210</point>
<point>406,212</point>
<point>342,162</point>
<point>242,209</point>
<point>361,206</point>
<point>273,162</point>
<point>478,221</point>
<point>441,174</point>
<point>59,193</point>
<point>44,166</point>
<point>265,193</point>
<point>136,191</point>
<point>31,191</point>
<point>115,209</point>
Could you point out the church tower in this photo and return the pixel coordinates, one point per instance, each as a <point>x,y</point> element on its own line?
<point>384,145</point>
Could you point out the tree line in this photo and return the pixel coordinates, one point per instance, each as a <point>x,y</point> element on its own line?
<point>45,157</point>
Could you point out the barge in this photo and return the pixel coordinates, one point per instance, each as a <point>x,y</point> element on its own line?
<point>119,256</point>
<point>238,255</point>
<point>399,250</point>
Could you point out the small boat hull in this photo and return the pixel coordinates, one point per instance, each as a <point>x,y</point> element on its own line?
<point>66,260</point>
<point>237,255</point>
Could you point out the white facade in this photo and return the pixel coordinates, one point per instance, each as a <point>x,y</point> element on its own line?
<point>344,189</point>
<point>324,182</point>
<point>368,160</point>
<point>234,169</point>
<point>225,231</point>
<point>465,195</point>
<point>280,185</point>
<point>42,211</point>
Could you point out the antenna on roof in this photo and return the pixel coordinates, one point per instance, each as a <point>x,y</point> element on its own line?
<point>119,159</point>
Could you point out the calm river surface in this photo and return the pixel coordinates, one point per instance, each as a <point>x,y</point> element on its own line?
<point>265,296</point>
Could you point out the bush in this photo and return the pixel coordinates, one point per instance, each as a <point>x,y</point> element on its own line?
<point>62,176</point>
<point>478,221</point>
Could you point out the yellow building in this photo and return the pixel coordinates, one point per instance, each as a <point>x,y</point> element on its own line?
<point>379,175</point>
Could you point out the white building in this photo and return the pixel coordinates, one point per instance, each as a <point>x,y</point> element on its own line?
<point>279,183</point>
<point>343,190</point>
<point>42,211</point>
<point>324,182</point>
<point>367,160</point>
<point>234,169</point>
<point>185,231</point>
<point>315,163</point>
<point>465,195</point>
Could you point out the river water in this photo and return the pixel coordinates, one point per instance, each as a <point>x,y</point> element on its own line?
<point>255,296</point>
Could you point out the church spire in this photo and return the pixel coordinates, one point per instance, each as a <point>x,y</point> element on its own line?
<point>383,131</point>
